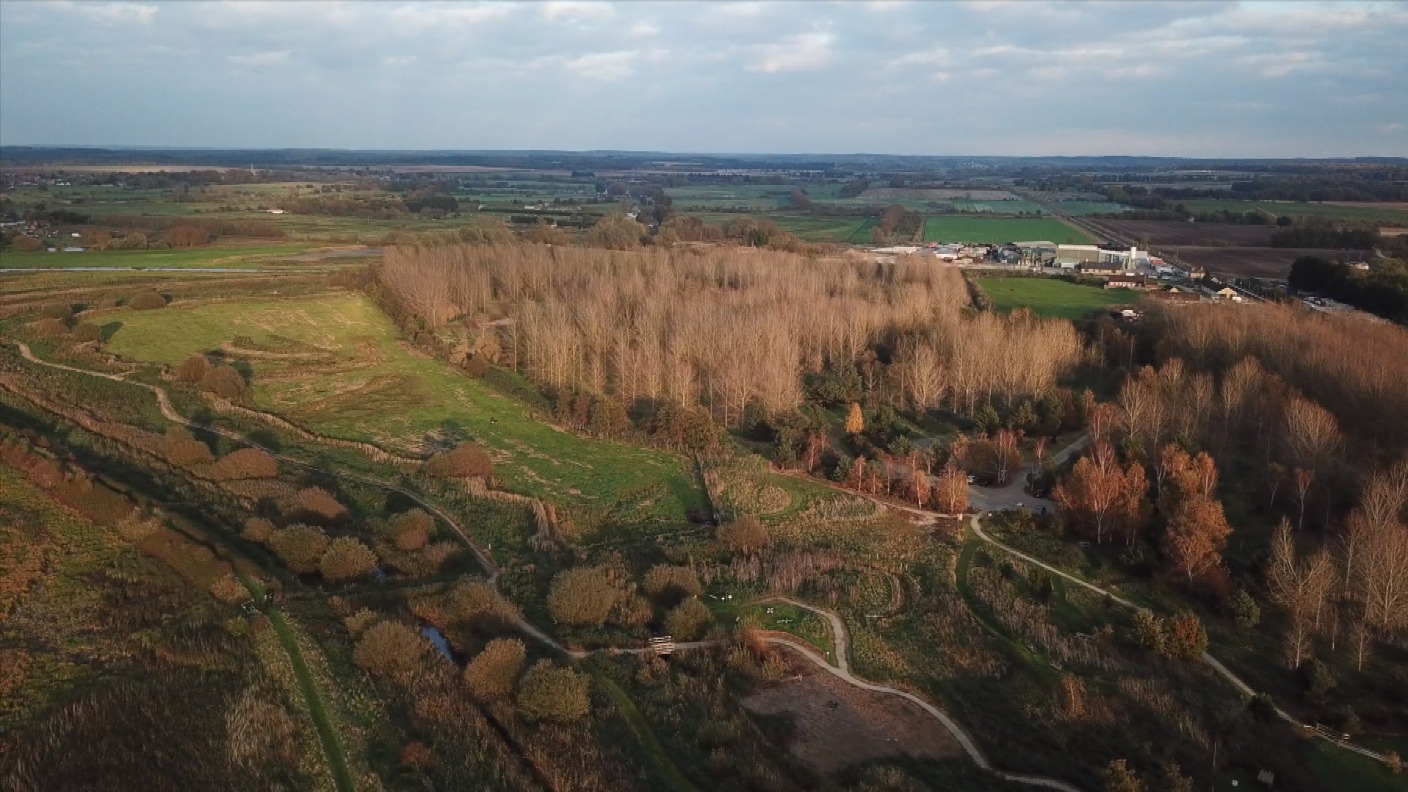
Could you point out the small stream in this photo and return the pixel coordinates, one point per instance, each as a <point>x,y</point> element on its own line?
<point>437,638</point>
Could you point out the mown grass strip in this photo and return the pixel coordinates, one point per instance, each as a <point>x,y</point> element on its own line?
<point>332,747</point>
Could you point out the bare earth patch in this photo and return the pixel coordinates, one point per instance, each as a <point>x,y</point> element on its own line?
<point>838,725</point>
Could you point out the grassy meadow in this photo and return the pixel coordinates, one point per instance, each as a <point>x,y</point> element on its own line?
<point>230,256</point>
<point>951,228</point>
<point>334,364</point>
<point>1052,297</point>
<point>1393,214</point>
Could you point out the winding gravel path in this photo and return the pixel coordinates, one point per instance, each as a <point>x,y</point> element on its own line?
<point>842,669</point>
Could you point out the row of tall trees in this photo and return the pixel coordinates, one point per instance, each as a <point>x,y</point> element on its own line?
<point>1357,583</point>
<point>730,327</point>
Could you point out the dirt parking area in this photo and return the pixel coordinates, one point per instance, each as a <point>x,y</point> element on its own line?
<point>837,725</point>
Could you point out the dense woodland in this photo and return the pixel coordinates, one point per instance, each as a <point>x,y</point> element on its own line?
<point>728,328</point>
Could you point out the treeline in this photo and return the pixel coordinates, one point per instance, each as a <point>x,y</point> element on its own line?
<point>1317,235</point>
<point>1383,290</point>
<point>898,222</point>
<point>1354,369</point>
<point>730,329</point>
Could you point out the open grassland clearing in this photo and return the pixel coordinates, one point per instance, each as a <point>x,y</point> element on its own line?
<point>835,725</point>
<point>354,379</point>
<point>1388,213</point>
<point>996,230</point>
<point>1052,297</point>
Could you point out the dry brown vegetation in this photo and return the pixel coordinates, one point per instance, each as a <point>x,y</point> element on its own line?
<point>1352,368</point>
<point>726,327</point>
<point>246,463</point>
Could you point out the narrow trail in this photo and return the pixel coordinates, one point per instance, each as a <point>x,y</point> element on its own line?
<point>171,414</point>
<point>1212,662</point>
<point>841,643</point>
<point>839,633</point>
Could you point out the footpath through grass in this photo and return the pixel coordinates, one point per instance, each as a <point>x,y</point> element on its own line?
<point>334,363</point>
<point>1052,297</point>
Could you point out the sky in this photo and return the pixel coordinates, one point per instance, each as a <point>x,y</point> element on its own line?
<point>1220,79</point>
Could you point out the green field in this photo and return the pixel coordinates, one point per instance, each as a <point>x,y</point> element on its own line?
<point>949,228</point>
<point>1052,297</point>
<point>220,256</point>
<point>812,228</point>
<point>1394,215</point>
<point>997,207</point>
<point>1090,207</point>
<point>334,363</point>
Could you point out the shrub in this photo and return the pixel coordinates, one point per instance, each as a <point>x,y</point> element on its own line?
<point>358,622</point>
<point>551,693</point>
<point>49,327</point>
<point>223,381</point>
<point>672,583</point>
<point>257,529</point>
<point>246,463</point>
<point>390,650</point>
<point>412,529</point>
<point>1317,680</point>
<point>228,589</point>
<point>687,621</point>
<point>300,547</point>
<point>87,332</point>
<point>146,301</point>
<point>183,450</point>
<point>193,369</point>
<point>744,535</point>
<point>1244,609</point>
<point>186,236</point>
<point>493,671</point>
<point>582,596</point>
<point>346,558</point>
<point>467,460</point>
<point>318,504</point>
<point>1184,637</point>
<point>1148,632</point>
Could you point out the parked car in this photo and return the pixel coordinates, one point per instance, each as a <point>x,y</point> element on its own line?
<point>1040,510</point>
<point>972,479</point>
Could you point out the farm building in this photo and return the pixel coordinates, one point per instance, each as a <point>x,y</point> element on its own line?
<point>1076,254</point>
<point>1100,270</point>
<point>1173,294</point>
<point>1136,282</point>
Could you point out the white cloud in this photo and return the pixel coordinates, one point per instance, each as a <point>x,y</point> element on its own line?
<point>605,66</point>
<point>796,53</point>
<point>261,59</point>
<point>572,10</point>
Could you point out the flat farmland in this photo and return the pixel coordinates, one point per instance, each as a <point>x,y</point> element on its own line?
<point>1251,262</point>
<point>812,228</point>
<point>1090,207</point>
<point>891,194</point>
<point>1174,232</point>
<point>952,228</point>
<point>1052,297</point>
<point>334,364</point>
<point>256,255</point>
<point>997,207</point>
<point>1387,213</point>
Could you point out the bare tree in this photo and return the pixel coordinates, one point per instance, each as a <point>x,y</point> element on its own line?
<point>1301,587</point>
